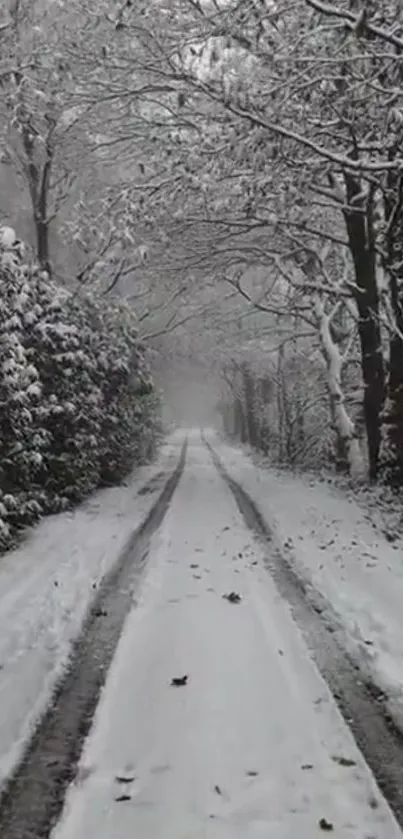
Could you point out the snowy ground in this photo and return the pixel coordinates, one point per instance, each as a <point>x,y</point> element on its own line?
<point>45,590</point>
<point>250,746</point>
<point>334,545</point>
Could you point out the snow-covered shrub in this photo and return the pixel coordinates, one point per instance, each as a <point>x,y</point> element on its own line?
<point>77,402</point>
<point>62,344</point>
<point>21,437</point>
<point>122,374</point>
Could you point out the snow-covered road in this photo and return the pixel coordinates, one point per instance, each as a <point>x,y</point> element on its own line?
<point>46,586</point>
<point>253,745</point>
<point>341,552</point>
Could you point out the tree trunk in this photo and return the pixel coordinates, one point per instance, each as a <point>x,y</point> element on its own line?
<point>250,407</point>
<point>42,242</point>
<point>38,176</point>
<point>241,424</point>
<point>280,403</point>
<point>41,214</point>
<point>360,234</point>
<point>347,439</point>
<point>392,454</point>
<point>266,395</point>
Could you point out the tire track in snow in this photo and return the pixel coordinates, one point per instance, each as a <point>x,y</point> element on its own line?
<point>32,799</point>
<point>361,704</point>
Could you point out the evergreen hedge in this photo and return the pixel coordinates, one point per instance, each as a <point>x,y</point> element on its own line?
<point>77,404</point>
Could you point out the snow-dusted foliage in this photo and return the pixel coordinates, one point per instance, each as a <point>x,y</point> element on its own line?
<point>77,404</point>
<point>281,408</point>
<point>129,426</point>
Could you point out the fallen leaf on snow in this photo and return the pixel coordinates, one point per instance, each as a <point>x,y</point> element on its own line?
<point>344,761</point>
<point>124,797</point>
<point>325,825</point>
<point>179,681</point>
<point>232,597</point>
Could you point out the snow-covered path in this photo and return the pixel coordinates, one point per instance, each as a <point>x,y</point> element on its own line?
<point>339,550</point>
<point>250,747</point>
<point>46,586</point>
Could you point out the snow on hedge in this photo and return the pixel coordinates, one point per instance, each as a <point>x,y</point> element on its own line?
<point>77,403</point>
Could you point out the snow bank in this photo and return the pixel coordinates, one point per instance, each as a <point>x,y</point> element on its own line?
<point>337,548</point>
<point>45,590</point>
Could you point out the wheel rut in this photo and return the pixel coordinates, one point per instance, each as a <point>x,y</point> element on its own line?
<point>32,799</point>
<point>361,704</point>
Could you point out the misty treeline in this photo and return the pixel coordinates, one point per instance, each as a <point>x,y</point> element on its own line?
<point>248,153</point>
